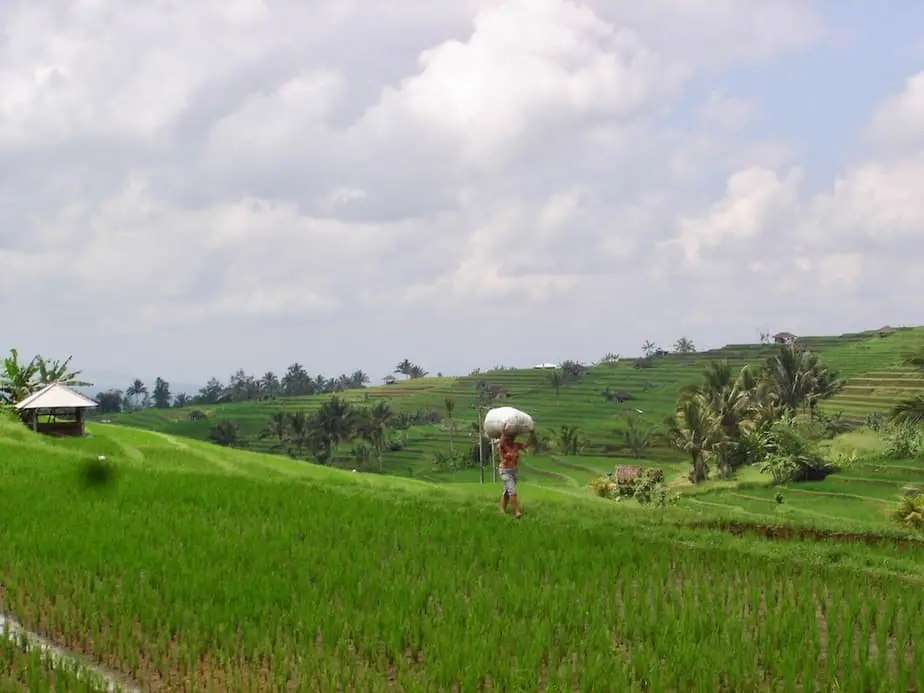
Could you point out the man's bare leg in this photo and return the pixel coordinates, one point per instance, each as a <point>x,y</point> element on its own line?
<point>516,505</point>
<point>503,504</point>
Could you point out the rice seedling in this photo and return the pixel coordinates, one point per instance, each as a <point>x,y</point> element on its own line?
<point>23,667</point>
<point>236,583</point>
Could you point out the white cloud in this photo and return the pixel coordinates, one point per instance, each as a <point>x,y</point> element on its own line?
<point>756,202</point>
<point>881,201</point>
<point>899,122</point>
<point>361,180</point>
<point>530,68</point>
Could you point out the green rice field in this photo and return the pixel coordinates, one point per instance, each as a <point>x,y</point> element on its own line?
<point>202,568</point>
<point>180,565</point>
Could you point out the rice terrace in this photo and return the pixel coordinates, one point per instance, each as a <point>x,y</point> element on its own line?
<point>743,519</point>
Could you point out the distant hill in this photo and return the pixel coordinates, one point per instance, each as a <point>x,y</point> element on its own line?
<point>596,403</point>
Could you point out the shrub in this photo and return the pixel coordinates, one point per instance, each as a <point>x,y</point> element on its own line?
<point>396,441</point>
<point>197,415</point>
<point>451,462</point>
<point>787,453</point>
<point>645,485</point>
<point>875,421</point>
<point>910,510</point>
<point>832,424</point>
<point>421,417</point>
<point>902,442</point>
<point>573,370</point>
<point>604,487</point>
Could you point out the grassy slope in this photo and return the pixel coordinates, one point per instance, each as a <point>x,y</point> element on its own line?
<point>193,542</point>
<point>872,365</point>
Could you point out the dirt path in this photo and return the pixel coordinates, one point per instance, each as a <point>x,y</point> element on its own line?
<point>100,676</point>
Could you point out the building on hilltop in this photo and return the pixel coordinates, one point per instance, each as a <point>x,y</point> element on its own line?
<point>886,331</point>
<point>66,408</point>
<point>390,379</point>
<point>784,338</point>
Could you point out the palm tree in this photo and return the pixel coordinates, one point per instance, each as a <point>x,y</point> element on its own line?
<point>684,345</point>
<point>373,424</point>
<point>17,379</point>
<point>909,412</point>
<point>799,378</point>
<point>277,427</point>
<point>296,380</point>
<point>449,405</point>
<point>135,391</point>
<point>270,385</point>
<point>299,428</point>
<point>693,430</point>
<point>359,379</point>
<point>224,433</point>
<point>728,399</point>
<point>649,347</point>
<point>332,423</point>
<point>404,368</point>
<point>50,371</point>
<point>637,436</point>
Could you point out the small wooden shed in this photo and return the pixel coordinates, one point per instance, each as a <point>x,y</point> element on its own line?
<point>66,407</point>
<point>784,338</point>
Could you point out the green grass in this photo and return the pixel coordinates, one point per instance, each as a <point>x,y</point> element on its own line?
<point>243,571</point>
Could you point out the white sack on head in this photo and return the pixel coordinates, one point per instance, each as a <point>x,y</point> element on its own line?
<point>501,419</point>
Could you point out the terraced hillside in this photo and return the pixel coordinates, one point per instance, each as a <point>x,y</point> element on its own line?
<point>653,391</point>
<point>192,567</point>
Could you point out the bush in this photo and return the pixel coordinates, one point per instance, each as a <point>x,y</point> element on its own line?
<point>875,421</point>
<point>902,442</point>
<point>421,417</point>
<point>451,462</point>
<point>787,453</point>
<point>910,511</point>
<point>197,415</point>
<point>832,424</point>
<point>396,441</point>
<point>645,485</point>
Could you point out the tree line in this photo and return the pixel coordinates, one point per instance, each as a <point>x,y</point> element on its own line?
<point>370,430</point>
<point>240,387</point>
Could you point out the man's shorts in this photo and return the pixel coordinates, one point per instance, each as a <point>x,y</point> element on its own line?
<point>509,477</point>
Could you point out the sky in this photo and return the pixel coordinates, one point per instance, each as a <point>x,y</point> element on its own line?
<point>189,188</point>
